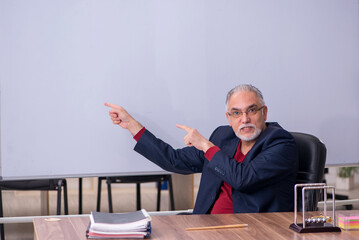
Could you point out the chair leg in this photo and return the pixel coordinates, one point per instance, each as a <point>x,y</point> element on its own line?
<point>159,195</point>
<point>2,233</point>
<point>98,206</point>
<point>80,195</point>
<point>59,189</point>
<point>109,195</point>
<point>66,205</point>
<point>171,192</point>
<point>59,185</point>
<point>138,195</point>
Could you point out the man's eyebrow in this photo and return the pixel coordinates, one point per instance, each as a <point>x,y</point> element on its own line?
<point>250,106</point>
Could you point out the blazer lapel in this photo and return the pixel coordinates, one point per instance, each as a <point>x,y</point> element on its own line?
<point>258,143</point>
<point>231,146</point>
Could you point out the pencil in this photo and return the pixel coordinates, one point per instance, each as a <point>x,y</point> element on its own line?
<point>218,227</point>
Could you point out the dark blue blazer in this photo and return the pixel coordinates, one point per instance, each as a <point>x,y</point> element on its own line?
<point>264,182</point>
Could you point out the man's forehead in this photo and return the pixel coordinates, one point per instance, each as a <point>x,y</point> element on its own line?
<point>243,100</point>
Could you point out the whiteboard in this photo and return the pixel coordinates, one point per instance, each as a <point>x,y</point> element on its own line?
<point>167,62</point>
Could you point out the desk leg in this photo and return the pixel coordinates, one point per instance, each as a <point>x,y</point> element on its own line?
<point>45,203</point>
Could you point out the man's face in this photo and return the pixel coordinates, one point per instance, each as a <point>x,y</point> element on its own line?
<point>244,117</point>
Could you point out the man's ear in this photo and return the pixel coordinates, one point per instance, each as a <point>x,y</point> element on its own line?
<point>265,111</point>
<point>229,119</point>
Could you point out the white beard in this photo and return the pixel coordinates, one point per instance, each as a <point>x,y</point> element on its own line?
<point>252,137</point>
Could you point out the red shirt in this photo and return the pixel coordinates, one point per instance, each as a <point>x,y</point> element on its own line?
<point>139,134</point>
<point>224,203</point>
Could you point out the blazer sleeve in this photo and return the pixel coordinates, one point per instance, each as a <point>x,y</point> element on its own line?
<point>184,161</point>
<point>273,158</point>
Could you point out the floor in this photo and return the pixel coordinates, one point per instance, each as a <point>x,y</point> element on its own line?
<point>27,203</point>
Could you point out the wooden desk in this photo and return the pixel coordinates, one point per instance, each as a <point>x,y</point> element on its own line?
<point>260,226</point>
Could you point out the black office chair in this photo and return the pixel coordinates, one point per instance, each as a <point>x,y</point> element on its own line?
<point>312,157</point>
<point>137,180</point>
<point>43,184</point>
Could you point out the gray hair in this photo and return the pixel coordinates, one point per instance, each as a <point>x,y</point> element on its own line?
<point>245,88</point>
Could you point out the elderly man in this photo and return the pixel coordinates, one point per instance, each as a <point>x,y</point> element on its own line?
<point>249,166</point>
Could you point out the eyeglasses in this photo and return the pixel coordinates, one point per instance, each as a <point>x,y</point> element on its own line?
<point>250,112</point>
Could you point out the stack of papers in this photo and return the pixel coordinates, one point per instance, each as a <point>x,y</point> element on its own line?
<point>119,225</point>
<point>348,221</point>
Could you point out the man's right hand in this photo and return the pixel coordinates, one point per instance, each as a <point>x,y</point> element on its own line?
<point>121,117</point>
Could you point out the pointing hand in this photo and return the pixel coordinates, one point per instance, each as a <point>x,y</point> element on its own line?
<point>195,139</point>
<point>121,117</point>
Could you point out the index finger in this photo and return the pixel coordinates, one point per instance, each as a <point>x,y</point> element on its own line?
<point>111,105</point>
<point>186,128</point>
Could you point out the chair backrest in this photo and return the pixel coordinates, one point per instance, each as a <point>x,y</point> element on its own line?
<point>312,157</point>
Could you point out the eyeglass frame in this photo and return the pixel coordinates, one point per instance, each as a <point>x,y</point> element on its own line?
<point>246,112</point>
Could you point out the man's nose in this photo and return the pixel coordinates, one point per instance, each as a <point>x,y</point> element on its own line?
<point>245,118</point>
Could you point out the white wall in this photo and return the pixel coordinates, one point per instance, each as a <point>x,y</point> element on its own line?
<point>167,62</point>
